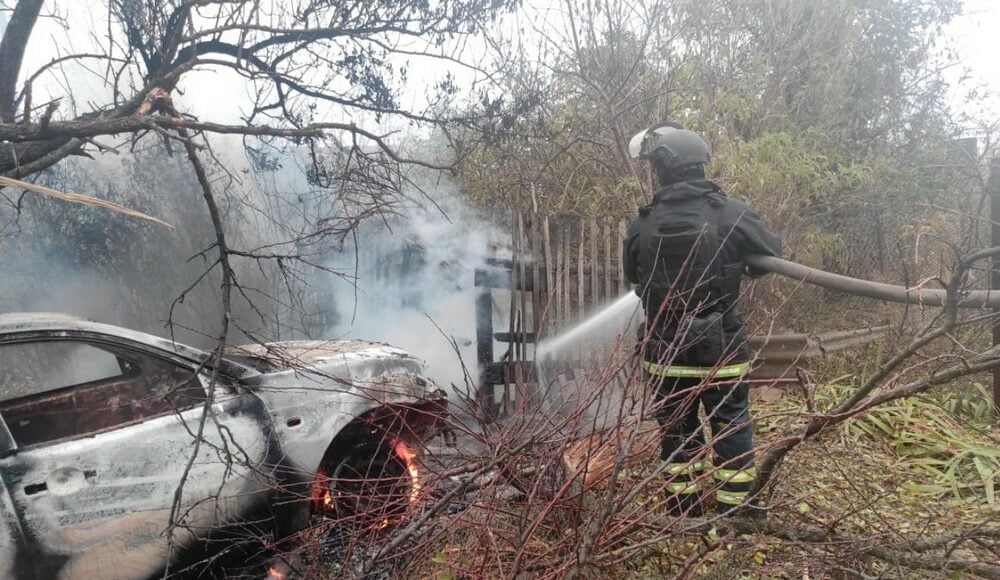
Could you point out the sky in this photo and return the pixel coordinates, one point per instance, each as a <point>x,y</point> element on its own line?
<point>974,35</point>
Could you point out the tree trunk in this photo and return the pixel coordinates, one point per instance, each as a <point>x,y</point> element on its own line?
<point>12,47</point>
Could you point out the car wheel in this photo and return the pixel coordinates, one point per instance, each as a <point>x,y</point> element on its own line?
<point>372,484</point>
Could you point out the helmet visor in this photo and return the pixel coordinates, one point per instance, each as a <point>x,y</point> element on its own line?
<point>635,145</point>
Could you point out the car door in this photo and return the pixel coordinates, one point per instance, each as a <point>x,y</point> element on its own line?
<point>105,436</point>
<point>14,562</point>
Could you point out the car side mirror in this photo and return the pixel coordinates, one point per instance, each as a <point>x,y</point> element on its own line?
<point>7,444</point>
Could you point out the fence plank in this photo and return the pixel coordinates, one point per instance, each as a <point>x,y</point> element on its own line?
<point>523,269</point>
<point>607,262</point>
<point>558,282</point>
<point>622,286</point>
<point>579,271</point>
<point>515,279</point>
<point>567,305</point>
<point>594,280</point>
<point>550,278</point>
<point>538,294</point>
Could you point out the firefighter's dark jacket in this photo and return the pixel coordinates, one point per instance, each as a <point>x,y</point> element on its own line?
<point>740,232</point>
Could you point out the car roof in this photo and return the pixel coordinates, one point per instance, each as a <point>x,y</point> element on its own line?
<point>30,322</point>
<point>18,320</point>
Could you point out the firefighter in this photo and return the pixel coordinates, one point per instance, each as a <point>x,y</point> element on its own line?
<point>684,253</point>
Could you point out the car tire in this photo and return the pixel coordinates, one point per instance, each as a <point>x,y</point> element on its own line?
<point>370,484</point>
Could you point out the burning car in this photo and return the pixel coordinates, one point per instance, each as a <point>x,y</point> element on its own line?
<point>122,453</point>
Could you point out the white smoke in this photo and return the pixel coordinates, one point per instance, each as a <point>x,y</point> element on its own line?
<point>415,283</point>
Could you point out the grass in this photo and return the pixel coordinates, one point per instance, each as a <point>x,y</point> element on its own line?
<point>946,441</point>
<point>918,468</point>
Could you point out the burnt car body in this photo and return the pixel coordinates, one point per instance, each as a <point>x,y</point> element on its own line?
<point>100,425</point>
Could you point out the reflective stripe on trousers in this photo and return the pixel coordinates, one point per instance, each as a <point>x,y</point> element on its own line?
<point>683,371</point>
<point>684,478</point>
<point>735,485</point>
<point>730,497</point>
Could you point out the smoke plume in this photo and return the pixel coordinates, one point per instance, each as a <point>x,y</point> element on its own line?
<point>415,282</point>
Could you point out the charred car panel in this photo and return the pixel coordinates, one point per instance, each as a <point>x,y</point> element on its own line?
<point>366,375</point>
<point>85,497</point>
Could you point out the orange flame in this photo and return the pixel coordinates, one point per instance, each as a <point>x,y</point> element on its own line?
<point>410,459</point>
<point>322,497</point>
<point>273,573</point>
<point>320,493</point>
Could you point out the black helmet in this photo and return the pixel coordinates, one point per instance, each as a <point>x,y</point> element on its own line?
<point>670,147</point>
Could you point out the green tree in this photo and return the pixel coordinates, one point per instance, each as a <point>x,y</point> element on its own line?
<point>827,115</point>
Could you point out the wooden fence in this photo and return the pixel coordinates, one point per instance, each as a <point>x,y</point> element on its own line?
<point>562,268</point>
<point>576,262</point>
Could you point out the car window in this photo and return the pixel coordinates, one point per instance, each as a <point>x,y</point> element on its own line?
<point>36,367</point>
<point>60,389</point>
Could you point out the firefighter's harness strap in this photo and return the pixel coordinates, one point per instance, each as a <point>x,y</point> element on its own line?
<point>679,371</point>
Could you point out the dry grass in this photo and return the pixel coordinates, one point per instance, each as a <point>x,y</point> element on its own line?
<point>849,480</point>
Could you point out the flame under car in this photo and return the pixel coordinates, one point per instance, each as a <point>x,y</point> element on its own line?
<point>122,453</point>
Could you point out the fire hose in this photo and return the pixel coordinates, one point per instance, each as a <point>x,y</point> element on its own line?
<point>869,289</point>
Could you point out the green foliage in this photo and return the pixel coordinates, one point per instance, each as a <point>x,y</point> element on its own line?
<point>974,404</point>
<point>829,116</point>
<point>943,442</point>
<point>800,182</point>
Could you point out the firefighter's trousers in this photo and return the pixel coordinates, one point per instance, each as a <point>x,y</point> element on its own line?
<point>691,476</point>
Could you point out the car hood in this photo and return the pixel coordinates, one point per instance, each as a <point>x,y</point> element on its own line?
<point>344,365</point>
<point>292,354</point>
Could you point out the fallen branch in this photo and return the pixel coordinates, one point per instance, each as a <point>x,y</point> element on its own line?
<point>78,198</point>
